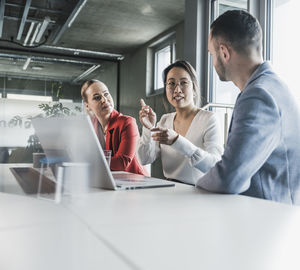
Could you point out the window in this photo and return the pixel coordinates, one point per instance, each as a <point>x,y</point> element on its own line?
<point>222,95</point>
<point>285,43</point>
<point>162,54</point>
<point>162,60</point>
<point>223,92</point>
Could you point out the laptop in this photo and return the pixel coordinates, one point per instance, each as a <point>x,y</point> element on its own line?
<point>73,139</point>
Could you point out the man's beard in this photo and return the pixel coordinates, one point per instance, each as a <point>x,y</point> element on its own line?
<point>220,69</point>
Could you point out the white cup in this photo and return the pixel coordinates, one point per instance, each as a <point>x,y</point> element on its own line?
<point>74,178</point>
<point>107,154</point>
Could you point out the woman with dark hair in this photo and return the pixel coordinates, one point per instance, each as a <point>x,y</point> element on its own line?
<point>188,140</point>
<point>119,132</point>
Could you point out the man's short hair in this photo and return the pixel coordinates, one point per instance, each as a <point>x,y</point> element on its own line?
<point>239,29</point>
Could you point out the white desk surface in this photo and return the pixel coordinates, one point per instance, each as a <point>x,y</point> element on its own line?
<point>162,228</point>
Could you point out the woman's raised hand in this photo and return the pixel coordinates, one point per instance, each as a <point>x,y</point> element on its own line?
<point>147,115</point>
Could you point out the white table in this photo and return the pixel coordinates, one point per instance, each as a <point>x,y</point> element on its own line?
<point>162,228</point>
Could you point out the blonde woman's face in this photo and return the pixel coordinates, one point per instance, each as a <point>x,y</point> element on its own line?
<point>99,100</point>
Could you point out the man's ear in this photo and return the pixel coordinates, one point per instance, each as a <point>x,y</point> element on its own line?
<point>224,52</point>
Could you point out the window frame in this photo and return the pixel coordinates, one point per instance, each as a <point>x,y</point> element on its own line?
<point>211,80</point>
<point>167,41</point>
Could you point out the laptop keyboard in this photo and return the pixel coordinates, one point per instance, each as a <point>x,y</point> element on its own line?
<point>123,177</point>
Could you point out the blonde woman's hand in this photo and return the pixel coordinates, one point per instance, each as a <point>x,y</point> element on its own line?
<point>164,135</point>
<point>146,115</point>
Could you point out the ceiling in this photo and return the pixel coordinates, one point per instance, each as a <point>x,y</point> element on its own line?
<point>78,33</point>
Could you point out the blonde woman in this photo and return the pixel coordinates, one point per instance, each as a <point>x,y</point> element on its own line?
<point>120,132</point>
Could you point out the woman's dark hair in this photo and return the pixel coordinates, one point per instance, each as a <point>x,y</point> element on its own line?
<point>85,86</point>
<point>191,71</point>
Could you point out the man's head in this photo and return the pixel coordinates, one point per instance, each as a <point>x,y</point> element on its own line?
<point>234,31</point>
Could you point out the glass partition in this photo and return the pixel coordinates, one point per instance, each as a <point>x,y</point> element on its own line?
<point>42,87</point>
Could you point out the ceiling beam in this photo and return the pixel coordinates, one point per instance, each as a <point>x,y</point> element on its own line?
<point>33,77</point>
<point>58,52</point>
<point>36,58</point>
<point>70,20</point>
<point>24,17</point>
<point>2,8</point>
<point>55,11</point>
<point>83,53</point>
<point>27,20</point>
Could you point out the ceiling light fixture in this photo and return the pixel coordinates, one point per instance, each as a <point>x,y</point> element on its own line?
<point>65,100</point>
<point>42,29</point>
<point>37,67</point>
<point>147,10</point>
<point>29,33</point>
<point>29,97</point>
<point>27,63</point>
<point>35,34</point>
<point>86,73</point>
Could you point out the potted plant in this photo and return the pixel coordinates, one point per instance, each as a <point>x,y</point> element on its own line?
<point>56,109</point>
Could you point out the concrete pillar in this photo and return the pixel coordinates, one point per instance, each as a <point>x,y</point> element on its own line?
<point>195,38</point>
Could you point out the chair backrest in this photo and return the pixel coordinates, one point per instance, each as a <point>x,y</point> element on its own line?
<point>224,113</point>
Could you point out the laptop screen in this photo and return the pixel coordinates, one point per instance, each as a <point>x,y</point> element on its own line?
<point>73,139</point>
